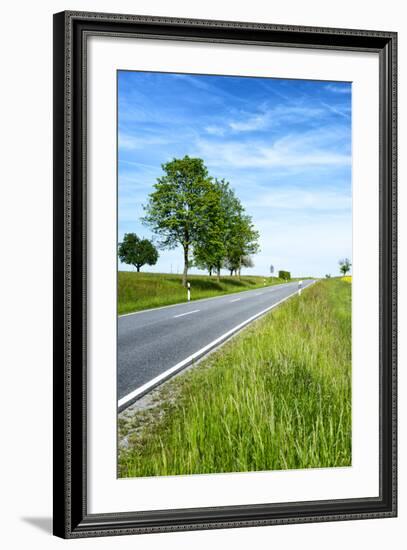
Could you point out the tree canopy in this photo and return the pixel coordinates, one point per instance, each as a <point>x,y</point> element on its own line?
<point>189,208</point>
<point>137,252</point>
<point>177,210</point>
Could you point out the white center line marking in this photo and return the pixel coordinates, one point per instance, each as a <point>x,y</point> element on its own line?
<point>236,300</point>
<point>187,313</point>
<point>259,294</point>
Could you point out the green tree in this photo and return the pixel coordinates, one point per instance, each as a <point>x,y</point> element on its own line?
<point>137,252</point>
<point>235,233</point>
<point>284,275</point>
<point>177,209</point>
<point>344,265</point>
<point>210,246</point>
<point>242,240</point>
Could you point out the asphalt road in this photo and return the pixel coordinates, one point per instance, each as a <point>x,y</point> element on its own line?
<point>152,342</point>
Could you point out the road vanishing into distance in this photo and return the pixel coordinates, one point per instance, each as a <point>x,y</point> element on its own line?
<point>155,344</point>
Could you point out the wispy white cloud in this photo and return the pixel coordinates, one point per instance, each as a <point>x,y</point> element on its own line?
<point>251,123</point>
<point>295,150</point>
<point>191,80</point>
<point>338,89</point>
<point>130,142</point>
<point>281,114</point>
<point>298,198</point>
<point>341,111</point>
<point>215,130</point>
<point>217,93</point>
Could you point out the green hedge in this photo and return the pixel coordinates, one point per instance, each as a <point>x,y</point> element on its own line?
<point>286,275</point>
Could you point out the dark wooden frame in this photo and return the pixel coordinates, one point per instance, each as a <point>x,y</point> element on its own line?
<point>71,518</point>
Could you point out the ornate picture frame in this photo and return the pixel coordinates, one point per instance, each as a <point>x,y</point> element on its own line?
<point>72,518</point>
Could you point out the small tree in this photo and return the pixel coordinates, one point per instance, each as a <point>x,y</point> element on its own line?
<point>137,252</point>
<point>328,275</point>
<point>242,240</point>
<point>247,261</point>
<point>285,275</point>
<point>344,266</point>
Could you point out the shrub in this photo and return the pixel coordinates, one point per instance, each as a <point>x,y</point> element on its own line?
<point>285,275</point>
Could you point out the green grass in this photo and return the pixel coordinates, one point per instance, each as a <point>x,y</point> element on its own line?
<point>137,291</point>
<point>277,396</point>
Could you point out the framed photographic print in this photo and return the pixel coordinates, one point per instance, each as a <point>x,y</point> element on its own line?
<point>224,274</point>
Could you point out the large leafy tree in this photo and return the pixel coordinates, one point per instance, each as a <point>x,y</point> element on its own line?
<point>179,209</point>
<point>344,265</point>
<point>137,252</point>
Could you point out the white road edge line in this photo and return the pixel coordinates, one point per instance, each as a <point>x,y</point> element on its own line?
<point>139,392</point>
<point>235,300</point>
<point>187,313</point>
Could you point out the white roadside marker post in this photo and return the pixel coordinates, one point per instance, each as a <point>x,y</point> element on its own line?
<point>189,291</point>
<point>299,287</point>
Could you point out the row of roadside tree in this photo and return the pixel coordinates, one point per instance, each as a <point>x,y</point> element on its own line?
<point>201,214</point>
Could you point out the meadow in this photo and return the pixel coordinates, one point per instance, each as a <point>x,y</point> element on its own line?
<point>138,291</point>
<point>276,396</point>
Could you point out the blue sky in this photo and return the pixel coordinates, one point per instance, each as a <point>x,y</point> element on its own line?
<point>284,146</point>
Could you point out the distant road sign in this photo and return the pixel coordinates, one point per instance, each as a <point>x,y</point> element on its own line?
<point>272,269</point>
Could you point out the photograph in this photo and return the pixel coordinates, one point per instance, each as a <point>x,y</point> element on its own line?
<point>224,273</point>
<point>234,274</point>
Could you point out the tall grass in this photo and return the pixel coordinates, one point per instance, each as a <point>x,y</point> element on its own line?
<point>137,291</point>
<point>277,396</point>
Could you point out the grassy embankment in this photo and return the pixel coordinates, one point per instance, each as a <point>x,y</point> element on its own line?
<point>137,291</point>
<point>277,396</point>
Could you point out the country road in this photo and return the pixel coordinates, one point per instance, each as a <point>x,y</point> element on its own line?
<point>152,345</point>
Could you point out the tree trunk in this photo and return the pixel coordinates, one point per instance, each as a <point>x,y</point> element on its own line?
<point>231,272</point>
<point>185,273</point>
<point>210,272</point>
<point>218,274</point>
<point>138,268</point>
